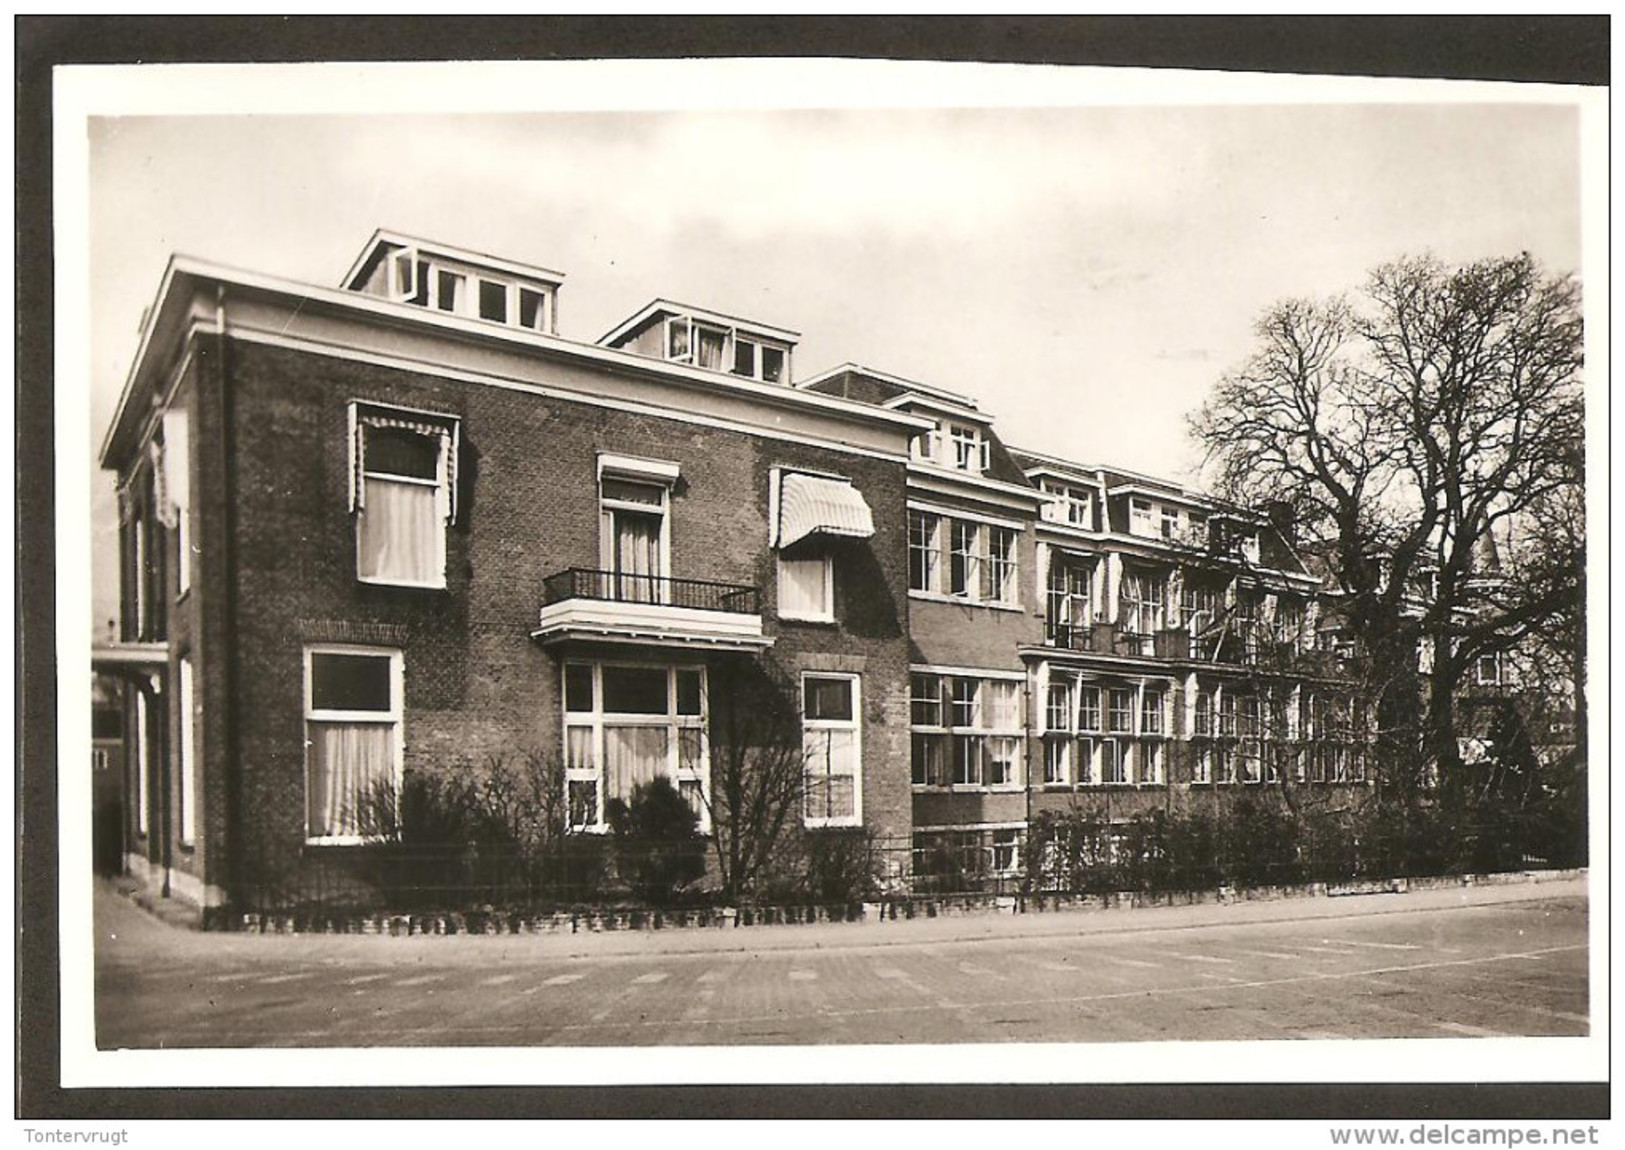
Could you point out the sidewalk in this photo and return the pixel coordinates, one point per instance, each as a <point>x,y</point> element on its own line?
<point>125,932</point>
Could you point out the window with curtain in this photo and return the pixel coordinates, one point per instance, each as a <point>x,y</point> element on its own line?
<point>624,726</point>
<point>711,346</point>
<point>143,761</point>
<point>402,495</point>
<point>830,708</point>
<point>806,588</point>
<point>353,712</point>
<point>634,516</point>
<point>186,761</point>
<point>966,732</point>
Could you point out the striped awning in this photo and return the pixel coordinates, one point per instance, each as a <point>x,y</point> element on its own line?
<point>813,505</point>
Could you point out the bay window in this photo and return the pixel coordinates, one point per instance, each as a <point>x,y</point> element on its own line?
<point>625,725</point>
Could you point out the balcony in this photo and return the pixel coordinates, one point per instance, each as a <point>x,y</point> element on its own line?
<point>650,610</point>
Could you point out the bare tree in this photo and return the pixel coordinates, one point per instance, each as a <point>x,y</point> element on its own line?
<point>758,770</point>
<point>1410,428</point>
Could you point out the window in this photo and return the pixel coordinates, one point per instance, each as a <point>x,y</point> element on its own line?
<point>634,538</point>
<point>138,529</point>
<point>494,301</point>
<point>1057,707</point>
<point>807,589</point>
<point>924,532</point>
<point>1202,764</point>
<point>353,743</point>
<point>1151,712</point>
<point>1121,715</point>
<point>533,310</point>
<point>964,559</point>
<point>403,495</point>
<point>175,495</point>
<point>967,702</point>
<point>680,340</point>
<point>925,700</point>
<point>1170,523</point>
<point>970,450</point>
<point>1142,517</point>
<point>448,290</point>
<point>1069,611</point>
<point>979,744</point>
<point>1202,722</point>
<point>1227,715</point>
<point>1113,767</point>
<point>186,761</point>
<point>710,346</point>
<point>1056,773</point>
<point>1068,505</point>
<point>1005,851</point>
<point>831,742</point>
<point>1088,708</point>
<point>1144,598</point>
<point>773,360</point>
<point>1001,586</point>
<point>1148,762</point>
<point>143,761</point>
<point>624,725</point>
<point>756,360</point>
<point>1488,669</point>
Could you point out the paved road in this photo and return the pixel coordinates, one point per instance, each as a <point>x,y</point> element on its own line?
<point>1492,961</point>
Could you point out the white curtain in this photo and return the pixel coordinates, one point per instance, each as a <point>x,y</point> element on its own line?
<point>632,755</point>
<point>710,349</point>
<point>637,556</point>
<point>351,765</point>
<point>400,533</point>
<point>801,587</point>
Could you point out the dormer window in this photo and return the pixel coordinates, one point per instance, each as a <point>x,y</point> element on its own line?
<point>970,450</point>
<point>1142,517</point>
<point>1068,505</point>
<point>718,348</point>
<point>755,360</point>
<point>458,287</point>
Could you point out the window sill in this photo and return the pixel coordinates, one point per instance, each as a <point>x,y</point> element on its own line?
<point>811,620</point>
<point>831,824</point>
<point>961,601</point>
<point>440,586</point>
<point>967,789</point>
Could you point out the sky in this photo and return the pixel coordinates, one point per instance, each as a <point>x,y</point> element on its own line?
<point>1086,271</point>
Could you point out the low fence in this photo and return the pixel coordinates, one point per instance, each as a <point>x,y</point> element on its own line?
<point>1074,861</point>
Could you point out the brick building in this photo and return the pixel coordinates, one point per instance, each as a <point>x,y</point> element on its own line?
<point>398,526</point>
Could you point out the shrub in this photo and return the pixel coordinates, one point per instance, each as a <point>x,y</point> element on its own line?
<point>658,847</point>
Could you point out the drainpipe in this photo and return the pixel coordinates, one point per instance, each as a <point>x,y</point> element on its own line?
<point>225,549</point>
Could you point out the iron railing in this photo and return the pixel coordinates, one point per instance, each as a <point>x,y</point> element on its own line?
<point>622,587</point>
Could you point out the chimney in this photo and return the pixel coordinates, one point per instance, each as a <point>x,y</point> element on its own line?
<point>1284,519</point>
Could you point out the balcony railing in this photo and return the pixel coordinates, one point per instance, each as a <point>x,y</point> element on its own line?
<point>656,590</point>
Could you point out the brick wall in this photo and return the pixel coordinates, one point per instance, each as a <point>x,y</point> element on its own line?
<point>476,683</point>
